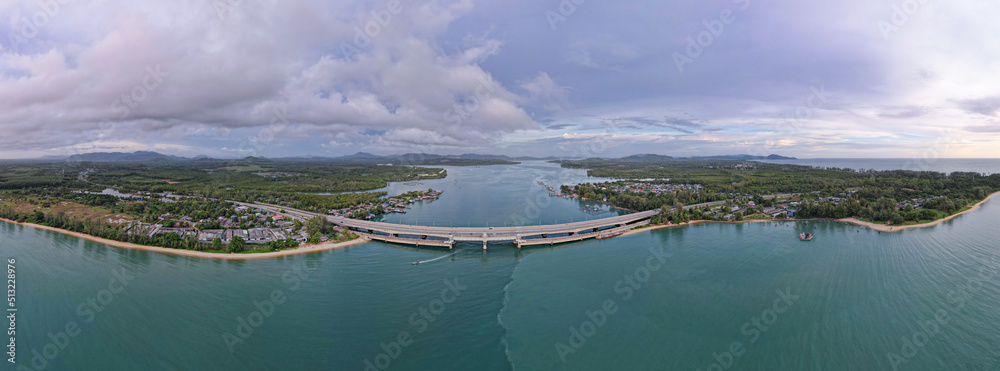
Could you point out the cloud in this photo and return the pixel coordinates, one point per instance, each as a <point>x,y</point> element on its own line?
<point>457,75</point>
<point>905,112</point>
<point>679,124</point>
<point>992,127</point>
<point>545,93</point>
<point>232,70</point>
<point>988,106</point>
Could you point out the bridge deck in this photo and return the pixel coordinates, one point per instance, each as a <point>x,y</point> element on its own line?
<point>408,241</point>
<point>478,234</point>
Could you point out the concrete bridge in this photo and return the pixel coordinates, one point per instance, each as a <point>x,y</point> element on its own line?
<point>447,236</point>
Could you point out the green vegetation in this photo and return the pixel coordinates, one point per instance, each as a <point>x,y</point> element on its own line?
<point>896,196</point>
<point>100,228</point>
<point>64,195</point>
<point>294,184</point>
<point>209,177</point>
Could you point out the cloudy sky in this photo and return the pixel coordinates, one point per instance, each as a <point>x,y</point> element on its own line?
<point>233,78</point>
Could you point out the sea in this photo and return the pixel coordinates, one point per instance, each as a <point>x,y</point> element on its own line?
<point>703,297</point>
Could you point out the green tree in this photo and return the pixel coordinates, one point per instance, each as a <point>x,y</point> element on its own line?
<point>317,225</point>
<point>237,244</point>
<point>217,244</point>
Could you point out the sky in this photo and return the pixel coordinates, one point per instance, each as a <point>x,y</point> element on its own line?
<point>566,78</point>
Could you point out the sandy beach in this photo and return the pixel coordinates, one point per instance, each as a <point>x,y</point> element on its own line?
<point>897,228</point>
<point>878,227</point>
<point>329,245</point>
<point>199,254</point>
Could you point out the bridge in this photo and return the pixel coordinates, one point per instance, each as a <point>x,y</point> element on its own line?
<point>527,235</point>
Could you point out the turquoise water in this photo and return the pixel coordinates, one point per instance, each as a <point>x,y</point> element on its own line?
<point>680,297</point>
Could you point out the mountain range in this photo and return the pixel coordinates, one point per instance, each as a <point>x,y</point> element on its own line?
<point>144,156</point>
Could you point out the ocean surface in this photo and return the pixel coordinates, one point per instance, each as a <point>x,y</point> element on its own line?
<point>704,297</point>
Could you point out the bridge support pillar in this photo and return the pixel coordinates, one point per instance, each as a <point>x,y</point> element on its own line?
<point>484,244</point>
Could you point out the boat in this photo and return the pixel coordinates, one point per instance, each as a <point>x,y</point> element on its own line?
<point>805,236</point>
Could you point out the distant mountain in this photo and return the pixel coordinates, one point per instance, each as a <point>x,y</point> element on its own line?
<point>360,156</point>
<point>476,156</point>
<point>365,157</point>
<point>744,157</point>
<point>779,157</point>
<point>139,156</point>
<point>648,157</point>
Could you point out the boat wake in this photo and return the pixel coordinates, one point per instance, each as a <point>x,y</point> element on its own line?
<point>437,258</point>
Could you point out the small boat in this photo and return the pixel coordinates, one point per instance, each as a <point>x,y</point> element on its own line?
<point>415,263</point>
<point>805,236</point>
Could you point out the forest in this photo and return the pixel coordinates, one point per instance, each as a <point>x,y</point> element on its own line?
<point>896,196</point>
<point>296,184</point>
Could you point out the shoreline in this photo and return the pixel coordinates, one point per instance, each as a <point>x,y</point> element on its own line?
<point>877,227</point>
<point>897,228</point>
<point>330,246</point>
<point>197,254</point>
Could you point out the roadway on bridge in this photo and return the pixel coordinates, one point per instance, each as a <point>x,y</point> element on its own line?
<point>467,233</point>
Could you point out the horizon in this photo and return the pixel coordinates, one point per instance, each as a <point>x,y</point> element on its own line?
<point>838,80</point>
<point>336,156</point>
<point>499,185</point>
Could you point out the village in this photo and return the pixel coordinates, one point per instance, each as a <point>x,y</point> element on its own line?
<point>395,204</point>
<point>257,226</point>
<point>733,206</point>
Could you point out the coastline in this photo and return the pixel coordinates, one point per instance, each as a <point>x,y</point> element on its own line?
<point>198,254</point>
<point>877,227</point>
<point>330,246</point>
<point>894,228</point>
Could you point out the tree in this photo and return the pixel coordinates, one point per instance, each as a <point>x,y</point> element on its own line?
<point>297,225</point>
<point>739,215</point>
<point>237,244</point>
<point>317,225</point>
<point>217,244</point>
